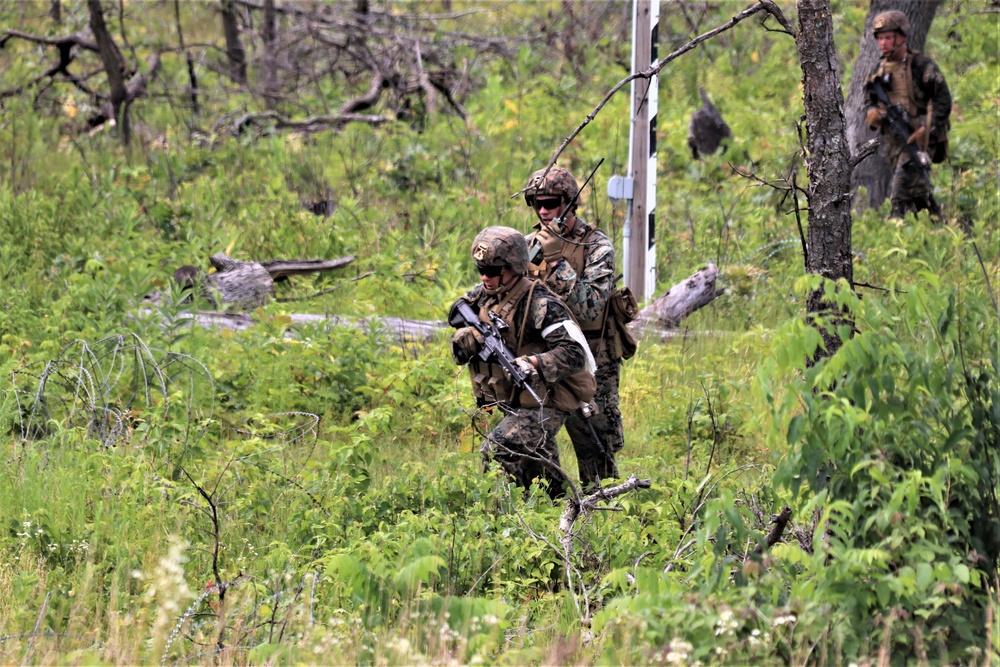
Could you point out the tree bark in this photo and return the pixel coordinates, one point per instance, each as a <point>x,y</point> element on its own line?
<point>827,161</point>
<point>192,76</point>
<point>234,48</point>
<point>114,66</point>
<point>875,173</point>
<point>270,34</point>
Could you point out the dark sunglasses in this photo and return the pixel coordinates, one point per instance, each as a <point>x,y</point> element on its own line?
<point>551,203</point>
<point>489,271</point>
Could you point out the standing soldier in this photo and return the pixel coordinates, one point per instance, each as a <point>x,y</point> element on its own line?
<point>549,348</point>
<point>577,262</point>
<point>912,82</point>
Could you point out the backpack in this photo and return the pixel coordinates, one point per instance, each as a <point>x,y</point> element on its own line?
<point>623,308</point>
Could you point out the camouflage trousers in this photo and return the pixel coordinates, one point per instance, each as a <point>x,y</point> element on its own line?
<point>910,191</point>
<point>524,444</point>
<point>596,460</point>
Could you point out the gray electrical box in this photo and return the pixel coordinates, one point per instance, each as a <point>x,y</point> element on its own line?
<point>620,187</point>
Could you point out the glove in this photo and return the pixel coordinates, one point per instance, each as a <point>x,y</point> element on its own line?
<point>526,367</point>
<point>552,245</point>
<point>874,117</point>
<point>465,343</point>
<point>917,136</point>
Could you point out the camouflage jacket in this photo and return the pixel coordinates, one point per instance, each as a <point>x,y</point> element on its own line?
<point>586,294</point>
<point>928,87</point>
<point>562,356</point>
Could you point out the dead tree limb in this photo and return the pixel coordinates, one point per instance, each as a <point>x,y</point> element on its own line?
<point>281,268</point>
<point>682,299</point>
<point>778,523</point>
<point>762,6</point>
<point>134,89</point>
<point>311,124</point>
<point>67,47</point>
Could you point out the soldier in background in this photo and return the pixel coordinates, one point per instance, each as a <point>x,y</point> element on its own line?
<point>549,347</point>
<point>916,84</point>
<point>577,262</point>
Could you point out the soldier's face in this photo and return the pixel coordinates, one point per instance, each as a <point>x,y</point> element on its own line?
<point>549,209</point>
<point>890,42</point>
<point>495,281</point>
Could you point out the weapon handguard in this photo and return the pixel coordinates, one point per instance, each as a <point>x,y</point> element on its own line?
<point>493,349</point>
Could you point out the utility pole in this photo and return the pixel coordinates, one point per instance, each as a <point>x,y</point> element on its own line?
<point>640,223</point>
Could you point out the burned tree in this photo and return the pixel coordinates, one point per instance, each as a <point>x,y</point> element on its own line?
<point>827,161</point>
<point>706,130</point>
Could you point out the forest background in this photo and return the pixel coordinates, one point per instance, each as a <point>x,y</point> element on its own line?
<point>315,494</point>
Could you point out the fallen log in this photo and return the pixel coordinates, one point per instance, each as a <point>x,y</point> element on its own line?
<point>687,296</point>
<point>661,317</point>
<point>399,330</point>
<point>247,285</point>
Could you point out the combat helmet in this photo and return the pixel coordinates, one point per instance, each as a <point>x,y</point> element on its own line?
<point>501,246</point>
<point>891,20</point>
<point>558,182</point>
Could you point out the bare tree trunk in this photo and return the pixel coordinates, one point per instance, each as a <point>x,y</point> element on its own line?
<point>270,33</point>
<point>874,172</point>
<point>829,218</point>
<point>55,11</point>
<point>192,77</point>
<point>234,48</point>
<point>114,66</point>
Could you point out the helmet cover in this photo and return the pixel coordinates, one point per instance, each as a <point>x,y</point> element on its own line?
<point>891,20</point>
<point>558,182</point>
<point>501,246</point>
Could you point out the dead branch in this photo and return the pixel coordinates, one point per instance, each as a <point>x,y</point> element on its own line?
<point>764,5</point>
<point>311,124</point>
<point>134,89</point>
<point>778,521</point>
<point>684,298</point>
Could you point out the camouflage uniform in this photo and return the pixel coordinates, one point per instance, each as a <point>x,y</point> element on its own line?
<point>524,440</point>
<point>917,84</point>
<point>583,277</point>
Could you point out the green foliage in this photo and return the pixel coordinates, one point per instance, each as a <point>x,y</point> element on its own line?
<point>293,492</point>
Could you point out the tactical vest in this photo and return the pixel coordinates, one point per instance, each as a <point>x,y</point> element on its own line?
<point>902,93</point>
<point>491,385</point>
<point>575,255</point>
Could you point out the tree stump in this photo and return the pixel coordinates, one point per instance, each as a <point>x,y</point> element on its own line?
<point>247,285</point>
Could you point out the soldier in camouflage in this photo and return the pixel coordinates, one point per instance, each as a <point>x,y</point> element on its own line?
<point>577,262</point>
<point>550,348</point>
<point>916,83</point>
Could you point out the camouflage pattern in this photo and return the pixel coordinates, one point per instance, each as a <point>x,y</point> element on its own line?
<point>595,465</point>
<point>910,192</point>
<point>501,246</point>
<point>524,440</point>
<point>889,21</point>
<point>587,296</point>
<point>558,182</point>
<point>524,444</point>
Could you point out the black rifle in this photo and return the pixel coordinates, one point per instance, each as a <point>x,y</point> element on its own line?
<point>559,222</point>
<point>493,350</point>
<point>897,121</point>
